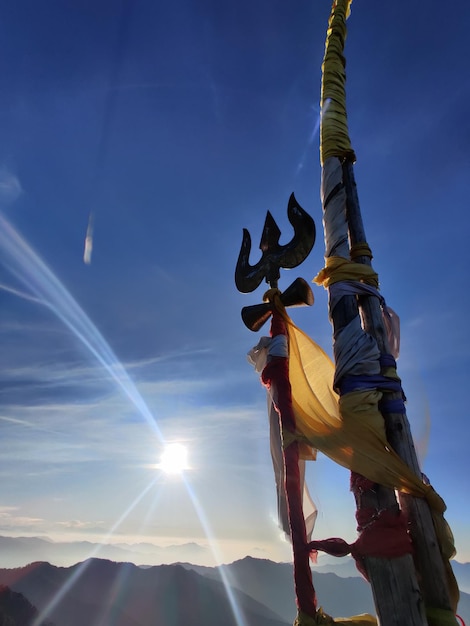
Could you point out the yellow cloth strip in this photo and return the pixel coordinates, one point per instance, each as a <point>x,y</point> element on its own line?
<point>334,135</point>
<point>338,268</point>
<point>322,618</point>
<point>435,617</point>
<point>306,452</point>
<point>360,249</point>
<point>440,617</point>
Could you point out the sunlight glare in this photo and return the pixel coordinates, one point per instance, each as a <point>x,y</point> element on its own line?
<point>174,459</point>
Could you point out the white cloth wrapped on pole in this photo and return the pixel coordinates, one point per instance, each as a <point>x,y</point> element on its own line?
<point>356,353</point>
<point>390,319</point>
<point>334,217</point>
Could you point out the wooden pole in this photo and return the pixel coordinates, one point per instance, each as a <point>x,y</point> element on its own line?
<point>428,559</point>
<point>398,597</point>
<point>394,585</point>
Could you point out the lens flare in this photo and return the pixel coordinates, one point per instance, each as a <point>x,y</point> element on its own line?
<point>237,612</point>
<point>26,265</point>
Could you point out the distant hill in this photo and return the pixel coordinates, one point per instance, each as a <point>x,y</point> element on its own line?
<point>99,592</point>
<point>340,590</point>
<point>272,584</point>
<point>462,573</point>
<point>344,567</point>
<point>17,551</point>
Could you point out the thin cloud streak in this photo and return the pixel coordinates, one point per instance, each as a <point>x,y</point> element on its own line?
<point>10,187</point>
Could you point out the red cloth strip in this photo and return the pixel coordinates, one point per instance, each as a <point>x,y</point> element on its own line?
<point>384,536</point>
<point>276,377</point>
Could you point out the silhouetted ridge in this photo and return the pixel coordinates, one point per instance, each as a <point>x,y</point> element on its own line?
<point>15,610</point>
<point>98,592</point>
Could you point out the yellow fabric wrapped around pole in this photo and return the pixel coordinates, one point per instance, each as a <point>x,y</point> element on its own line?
<point>349,429</point>
<point>334,135</point>
<point>338,268</point>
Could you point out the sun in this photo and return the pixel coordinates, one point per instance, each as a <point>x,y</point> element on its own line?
<point>174,459</point>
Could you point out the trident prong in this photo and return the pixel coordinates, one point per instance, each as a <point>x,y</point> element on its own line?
<point>274,255</point>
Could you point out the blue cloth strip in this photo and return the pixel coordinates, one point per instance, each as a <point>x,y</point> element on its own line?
<point>392,406</point>
<point>361,383</point>
<point>387,360</point>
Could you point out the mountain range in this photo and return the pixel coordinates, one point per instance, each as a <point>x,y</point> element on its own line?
<point>114,591</point>
<point>252,592</point>
<point>22,550</point>
<point>103,593</point>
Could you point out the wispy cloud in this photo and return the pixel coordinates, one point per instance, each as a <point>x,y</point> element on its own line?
<point>80,525</point>
<point>9,519</point>
<point>10,186</point>
<point>19,422</point>
<point>437,336</point>
<point>62,434</point>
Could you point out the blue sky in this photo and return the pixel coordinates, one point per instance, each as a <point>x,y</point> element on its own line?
<point>176,125</point>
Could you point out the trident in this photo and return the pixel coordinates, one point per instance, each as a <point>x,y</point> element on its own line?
<point>275,373</point>
<point>274,256</point>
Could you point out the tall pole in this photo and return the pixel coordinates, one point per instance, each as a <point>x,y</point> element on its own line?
<point>432,569</point>
<point>398,597</point>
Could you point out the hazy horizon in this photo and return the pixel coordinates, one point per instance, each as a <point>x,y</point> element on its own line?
<point>150,553</point>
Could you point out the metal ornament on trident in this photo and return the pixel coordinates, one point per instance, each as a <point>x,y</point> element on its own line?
<point>275,256</point>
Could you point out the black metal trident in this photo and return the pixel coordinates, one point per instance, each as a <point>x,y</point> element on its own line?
<point>274,256</point>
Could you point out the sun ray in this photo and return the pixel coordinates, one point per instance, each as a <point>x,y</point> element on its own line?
<point>26,265</point>
<point>55,600</point>
<point>212,542</point>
